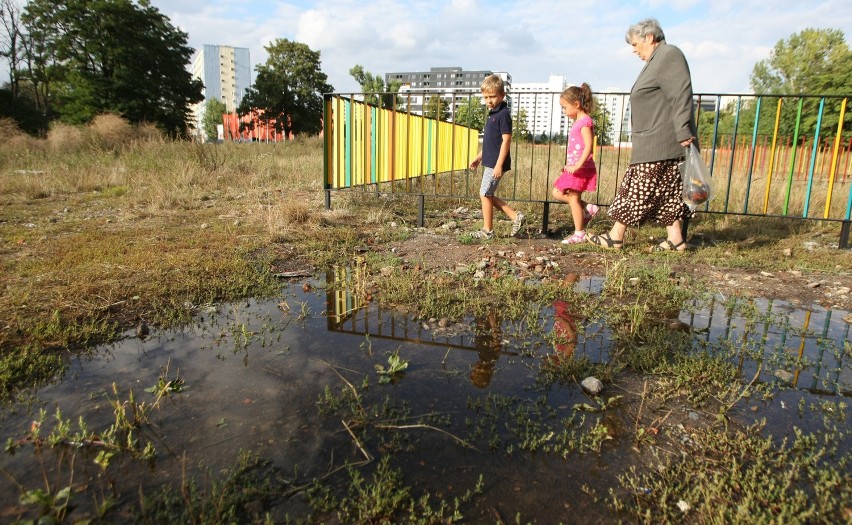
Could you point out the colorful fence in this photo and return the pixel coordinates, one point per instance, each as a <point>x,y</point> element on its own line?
<point>768,155</point>
<point>366,144</point>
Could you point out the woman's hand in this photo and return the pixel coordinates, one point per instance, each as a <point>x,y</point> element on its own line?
<point>687,142</point>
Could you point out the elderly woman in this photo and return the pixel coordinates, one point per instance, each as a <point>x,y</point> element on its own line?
<point>663,124</point>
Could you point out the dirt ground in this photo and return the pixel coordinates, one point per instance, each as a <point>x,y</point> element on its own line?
<point>539,256</point>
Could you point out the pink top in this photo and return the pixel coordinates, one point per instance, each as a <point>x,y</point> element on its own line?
<point>576,146</point>
<point>585,178</point>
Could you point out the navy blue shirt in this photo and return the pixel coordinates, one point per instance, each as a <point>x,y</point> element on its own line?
<point>499,123</point>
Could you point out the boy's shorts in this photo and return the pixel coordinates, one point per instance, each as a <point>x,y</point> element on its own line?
<point>489,183</point>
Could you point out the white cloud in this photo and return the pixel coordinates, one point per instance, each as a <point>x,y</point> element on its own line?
<point>583,41</point>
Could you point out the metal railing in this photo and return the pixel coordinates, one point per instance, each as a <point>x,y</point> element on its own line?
<point>784,156</point>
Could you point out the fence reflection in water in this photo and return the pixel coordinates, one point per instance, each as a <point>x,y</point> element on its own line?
<point>805,348</point>
<point>808,348</point>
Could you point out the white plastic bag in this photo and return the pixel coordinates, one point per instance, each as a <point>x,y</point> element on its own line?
<point>696,179</point>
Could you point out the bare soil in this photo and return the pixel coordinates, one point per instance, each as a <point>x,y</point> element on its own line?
<point>441,249</point>
<point>436,250</point>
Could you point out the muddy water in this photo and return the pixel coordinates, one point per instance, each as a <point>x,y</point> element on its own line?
<point>254,371</point>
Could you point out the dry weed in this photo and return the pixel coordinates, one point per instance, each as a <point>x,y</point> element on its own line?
<point>22,142</point>
<point>290,216</point>
<point>110,132</point>
<point>9,128</point>
<point>146,132</point>
<point>65,138</point>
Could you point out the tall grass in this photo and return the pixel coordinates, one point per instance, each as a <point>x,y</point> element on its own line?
<point>154,174</point>
<point>108,223</point>
<point>738,188</point>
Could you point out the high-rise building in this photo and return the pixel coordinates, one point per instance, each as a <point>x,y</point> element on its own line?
<point>449,83</point>
<point>226,74</point>
<point>617,106</point>
<point>539,102</point>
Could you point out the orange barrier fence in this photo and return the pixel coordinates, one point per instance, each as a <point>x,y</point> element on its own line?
<point>251,128</point>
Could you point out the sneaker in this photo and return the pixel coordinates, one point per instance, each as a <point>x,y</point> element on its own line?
<point>590,211</point>
<point>517,224</point>
<point>577,238</point>
<point>483,234</point>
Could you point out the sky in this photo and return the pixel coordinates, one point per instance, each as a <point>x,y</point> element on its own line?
<point>582,40</point>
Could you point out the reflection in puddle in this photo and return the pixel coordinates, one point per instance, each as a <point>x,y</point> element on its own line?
<point>807,349</point>
<point>253,373</point>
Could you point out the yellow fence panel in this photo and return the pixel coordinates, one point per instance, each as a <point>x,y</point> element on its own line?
<point>370,145</point>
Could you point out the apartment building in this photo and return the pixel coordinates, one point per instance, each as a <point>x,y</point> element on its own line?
<point>450,83</point>
<point>617,105</point>
<point>226,74</point>
<point>539,102</point>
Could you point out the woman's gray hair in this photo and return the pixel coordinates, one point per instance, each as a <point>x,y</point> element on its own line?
<point>649,26</point>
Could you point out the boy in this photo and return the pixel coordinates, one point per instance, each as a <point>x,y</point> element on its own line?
<point>495,157</point>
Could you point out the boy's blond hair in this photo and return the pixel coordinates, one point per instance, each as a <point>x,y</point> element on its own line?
<point>493,84</point>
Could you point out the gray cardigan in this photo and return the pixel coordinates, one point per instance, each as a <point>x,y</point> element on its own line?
<point>661,107</point>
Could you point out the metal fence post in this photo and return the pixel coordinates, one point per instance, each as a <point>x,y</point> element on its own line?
<point>845,226</point>
<point>544,217</point>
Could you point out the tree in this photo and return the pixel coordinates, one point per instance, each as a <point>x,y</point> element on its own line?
<point>374,88</point>
<point>99,56</point>
<point>289,88</point>
<point>212,118</point>
<point>811,62</point>
<point>40,69</point>
<point>11,41</point>
<point>16,98</point>
<point>437,108</point>
<point>471,112</point>
<point>603,125</point>
<point>794,64</point>
<point>21,109</point>
<point>520,131</point>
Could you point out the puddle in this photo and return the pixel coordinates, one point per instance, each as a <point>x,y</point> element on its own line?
<point>253,374</point>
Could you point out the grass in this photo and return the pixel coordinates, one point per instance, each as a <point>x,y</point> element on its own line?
<point>743,476</point>
<point>535,167</point>
<point>105,228</point>
<point>97,236</point>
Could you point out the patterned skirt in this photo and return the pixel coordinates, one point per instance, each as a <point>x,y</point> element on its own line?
<point>651,191</point>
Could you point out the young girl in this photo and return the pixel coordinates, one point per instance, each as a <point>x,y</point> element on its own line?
<point>579,173</point>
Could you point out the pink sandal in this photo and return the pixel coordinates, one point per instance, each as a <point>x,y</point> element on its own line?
<point>589,213</point>
<point>577,238</point>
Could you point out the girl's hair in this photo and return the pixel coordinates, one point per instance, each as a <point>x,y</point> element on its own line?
<point>581,94</point>
<point>649,26</point>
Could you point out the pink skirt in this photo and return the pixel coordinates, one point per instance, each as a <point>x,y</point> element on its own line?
<point>581,180</point>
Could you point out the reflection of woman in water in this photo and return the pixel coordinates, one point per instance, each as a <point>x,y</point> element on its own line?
<point>487,341</point>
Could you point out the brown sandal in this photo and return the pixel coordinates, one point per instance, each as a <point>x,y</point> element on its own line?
<point>669,246</point>
<point>605,241</point>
